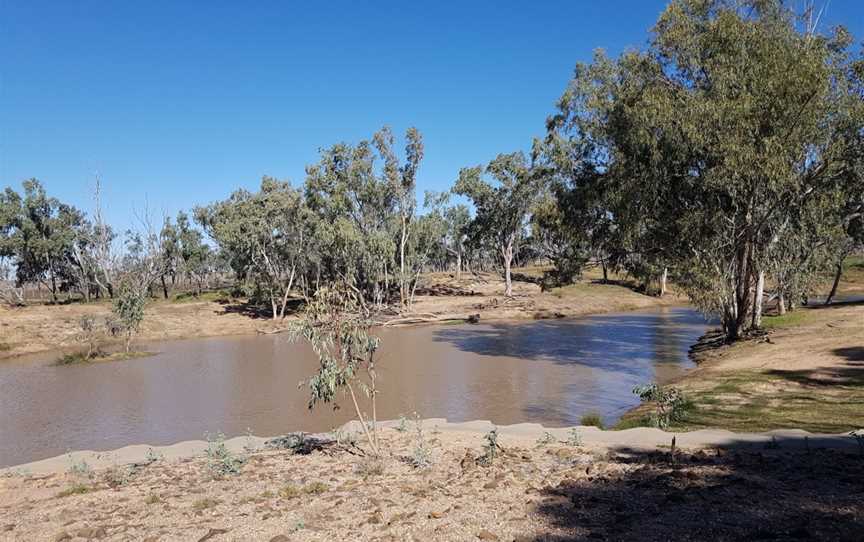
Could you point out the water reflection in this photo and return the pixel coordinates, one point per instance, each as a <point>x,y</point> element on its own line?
<point>550,372</point>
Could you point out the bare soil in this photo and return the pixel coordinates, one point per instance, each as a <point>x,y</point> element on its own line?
<point>532,491</point>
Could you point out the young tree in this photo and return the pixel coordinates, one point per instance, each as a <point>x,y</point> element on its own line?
<point>336,327</point>
<point>501,208</point>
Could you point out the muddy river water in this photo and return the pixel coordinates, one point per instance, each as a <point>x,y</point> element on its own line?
<point>550,372</point>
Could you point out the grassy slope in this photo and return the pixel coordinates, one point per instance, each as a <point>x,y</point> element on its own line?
<point>808,375</point>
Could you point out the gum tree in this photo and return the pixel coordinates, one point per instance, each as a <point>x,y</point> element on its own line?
<point>502,204</point>
<point>709,142</point>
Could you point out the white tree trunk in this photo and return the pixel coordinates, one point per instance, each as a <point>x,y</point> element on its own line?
<point>663,278</point>
<point>757,301</point>
<point>507,253</point>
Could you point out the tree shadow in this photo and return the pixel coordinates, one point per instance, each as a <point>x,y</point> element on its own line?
<point>850,374</point>
<point>769,494</point>
<point>850,301</point>
<point>254,309</point>
<point>611,342</point>
<point>853,353</point>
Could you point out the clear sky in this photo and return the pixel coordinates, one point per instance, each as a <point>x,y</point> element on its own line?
<point>180,103</point>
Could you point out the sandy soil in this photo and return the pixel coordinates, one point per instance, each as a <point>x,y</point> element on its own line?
<point>40,328</point>
<point>542,488</point>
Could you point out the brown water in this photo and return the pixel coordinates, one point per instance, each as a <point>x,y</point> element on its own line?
<point>549,372</point>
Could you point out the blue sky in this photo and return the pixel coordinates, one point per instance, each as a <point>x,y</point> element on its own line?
<point>180,103</point>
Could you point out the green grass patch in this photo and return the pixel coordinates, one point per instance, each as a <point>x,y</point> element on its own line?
<point>762,401</point>
<point>790,319</point>
<point>591,419</point>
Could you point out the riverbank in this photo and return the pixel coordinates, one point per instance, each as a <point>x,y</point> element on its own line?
<point>40,328</point>
<point>442,484</point>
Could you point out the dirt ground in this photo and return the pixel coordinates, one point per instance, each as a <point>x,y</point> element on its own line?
<point>543,489</point>
<point>40,328</point>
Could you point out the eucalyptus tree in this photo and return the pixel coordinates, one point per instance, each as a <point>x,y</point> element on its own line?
<point>263,233</point>
<point>194,255</point>
<point>402,180</point>
<point>502,205</point>
<point>732,117</point>
<point>39,234</point>
<point>356,207</point>
<point>10,213</point>
<point>455,220</point>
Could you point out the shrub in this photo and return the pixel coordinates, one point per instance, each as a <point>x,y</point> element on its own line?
<point>220,460</point>
<point>546,438</point>
<point>574,438</point>
<point>670,404</point>
<point>592,419</point>
<point>421,457</point>
<point>490,448</point>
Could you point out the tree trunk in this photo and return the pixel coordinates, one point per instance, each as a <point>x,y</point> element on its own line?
<point>164,287</point>
<point>402,279</point>
<point>663,278</point>
<point>507,253</point>
<point>839,271</point>
<point>781,304</point>
<point>458,266</point>
<point>757,301</point>
<point>605,271</point>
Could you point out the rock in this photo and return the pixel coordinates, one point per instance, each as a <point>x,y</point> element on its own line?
<point>212,533</point>
<point>491,485</point>
<point>61,536</point>
<point>279,538</point>
<point>486,535</point>
<point>91,533</point>
<point>436,515</point>
<point>8,527</point>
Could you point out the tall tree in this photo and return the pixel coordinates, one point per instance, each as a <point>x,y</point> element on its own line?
<point>501,206</point>
<point>735,115</point>
<point>264,235</point>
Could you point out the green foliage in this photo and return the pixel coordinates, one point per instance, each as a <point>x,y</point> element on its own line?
<point>491,448</point>
<point>592,419</point>
<point>670,404</point>
<point>220,460</point>
<point>730,147</point>
<point>546,438</point>
<point>501,209</point>
<point>339,333</point>
<point>264,235</point>
<point>574,438</point>
<point>421,454</point>
<point>128,307</point>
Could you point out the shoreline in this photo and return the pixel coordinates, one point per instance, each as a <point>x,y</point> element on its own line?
<point>641,439</point>
<point>37,330</point>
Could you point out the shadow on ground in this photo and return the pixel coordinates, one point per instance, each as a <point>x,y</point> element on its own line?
<point>770,494</point>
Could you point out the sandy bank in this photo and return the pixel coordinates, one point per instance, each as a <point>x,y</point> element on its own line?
<point>639,439</point>
<point>535,488</point>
